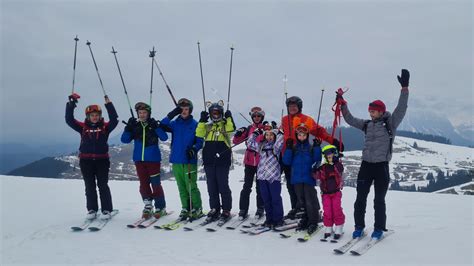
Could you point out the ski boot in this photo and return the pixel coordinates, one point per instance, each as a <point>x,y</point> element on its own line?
<point>212,215</point>
<point>328,232</point>
<point>312,228</point>
<point>195,214</point>
<point>159,213</point>
<point>268,224</point>
<point>183,215</point>
<point>148,209</point>
<point>225,216</point>
<point>302,225</point>
<point>260,212</point>
<point>358,232</point>
<point>105,215</point>
<point>338,232</point>
<point>91,215</point>
<point>291,215</point>
<point>243,214</point>
<point>377,234</point>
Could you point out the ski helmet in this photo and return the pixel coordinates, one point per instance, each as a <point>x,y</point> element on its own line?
<point>183,102</point>
<point>330,149</point>
<point>142,106</point>
<point>216,108</point>
<point>257,111</point>
<point>295,100</point>
<point>94,108</point>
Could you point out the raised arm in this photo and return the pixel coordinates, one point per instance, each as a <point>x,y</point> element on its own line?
<point>351,120</point>
<point>70,120</point>
<point>401,109</point>
<point>113,116</point>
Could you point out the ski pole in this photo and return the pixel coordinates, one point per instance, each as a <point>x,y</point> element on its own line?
<point>74,65</point>
<point>152,55</point>
<point>320,103</point>
<point>233,107</point>
<point>96,68</point>
<point>166,84</point>
<point>230,76</point>
<point>285,81</point>
<point>218,154</point>
<point>202,78</point>
<point>189,184</point>
<point>123,83</point>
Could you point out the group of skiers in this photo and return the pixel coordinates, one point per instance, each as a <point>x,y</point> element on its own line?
<point>272,149</point>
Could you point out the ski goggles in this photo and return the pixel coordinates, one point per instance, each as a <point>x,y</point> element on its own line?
<point>302,130</point>
<point>142,106</point>
<point>256,111</point>
<point>93,108</point>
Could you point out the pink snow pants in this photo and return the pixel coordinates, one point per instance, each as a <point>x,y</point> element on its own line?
<point>333,214</point>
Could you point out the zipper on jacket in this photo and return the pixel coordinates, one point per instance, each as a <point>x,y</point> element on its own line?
<point>143,142</point>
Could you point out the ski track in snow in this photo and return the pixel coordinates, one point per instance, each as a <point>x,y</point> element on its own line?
<point>430,228</point>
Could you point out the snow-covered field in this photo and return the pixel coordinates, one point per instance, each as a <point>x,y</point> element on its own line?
<point>37,214</point>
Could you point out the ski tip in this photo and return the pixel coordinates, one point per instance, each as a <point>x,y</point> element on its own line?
<point>130,226</point>
<point>76,229</point>
<point>94,229</point>
<point>355,253</point>
<point>337,251</point>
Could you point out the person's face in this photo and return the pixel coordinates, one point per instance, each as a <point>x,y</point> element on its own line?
<point>142,115</point>
<point>269,136</point>
<point>257,119</point>
<point>215,114</point>
<point>94,117</point>
<point>330,157</point>
<point>185,112</point>
<point>375,114</point>
<point>302,136</point>
<point>293,108</point>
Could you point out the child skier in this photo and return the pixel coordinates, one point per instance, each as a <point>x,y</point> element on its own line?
<point>379,135</point>
<point>184,149</point>
<point>93,153</point>
<point>330,176</point>
<point>216,156</point>
<point>301,156</point>
<point>146,133</point>
<point>251,161</point>
<point>269,145</point>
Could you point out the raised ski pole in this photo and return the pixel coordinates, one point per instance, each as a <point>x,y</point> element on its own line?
<point>74,65</point>
<point>152,55</point>
<point>230,75</point>
<point>320,104</point>
<point>123,83</point>
<point>240,113</point>
<point>202,78</point>
<point>166,84</point>
<point>285,81</point>
<point>96,68</point>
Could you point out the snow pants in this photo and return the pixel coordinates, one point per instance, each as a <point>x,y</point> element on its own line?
<point>150,183</point>
<point>186,179</point>
<point>92,171</point>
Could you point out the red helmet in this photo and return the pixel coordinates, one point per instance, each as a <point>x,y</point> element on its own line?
<point>93,108</point>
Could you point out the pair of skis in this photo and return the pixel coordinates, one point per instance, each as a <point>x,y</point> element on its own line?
<point>94,225</point>
<point>147,222</point>
<point>364,248</point>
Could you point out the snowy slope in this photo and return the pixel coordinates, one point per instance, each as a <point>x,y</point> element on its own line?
<point>37,214</point>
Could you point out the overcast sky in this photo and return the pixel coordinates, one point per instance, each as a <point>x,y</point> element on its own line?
<point>358,44</point>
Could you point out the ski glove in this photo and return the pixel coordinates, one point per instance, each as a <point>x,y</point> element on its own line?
<point>404,79</point>
<point>228,114</point>
<point>204,117</point>
<point>258,132</point>
<point>240,132</point>
<point>289,143</point>
<point>339,145</point>
<point>176,111</point>
<point>153,123</point>
<point>317,142</point>
<point>130,124</point>
<point>190,153</point>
